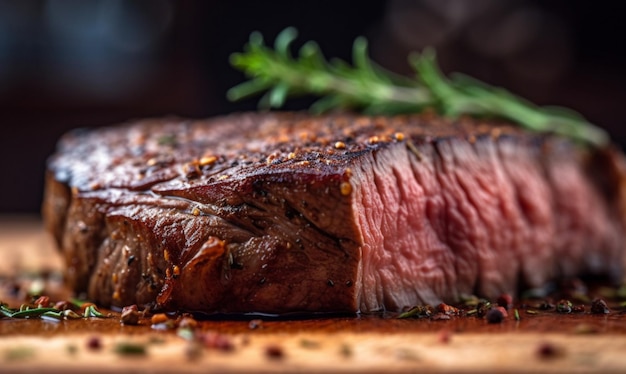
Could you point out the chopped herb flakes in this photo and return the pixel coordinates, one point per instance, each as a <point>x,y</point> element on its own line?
<point>19,353</point>
<point>167,140</point>
<point>418,311</point>
<point>130,349</point>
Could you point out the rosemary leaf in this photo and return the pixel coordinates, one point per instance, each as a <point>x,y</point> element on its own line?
<point>417,311</point>
<point>70,314</point>
<point>92,311</point>
<point>32,312</point>
<point>56,314</point>
<point>5,311</point>
<point>77,302</point>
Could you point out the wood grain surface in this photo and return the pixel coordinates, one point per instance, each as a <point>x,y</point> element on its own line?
<point>568,344</point>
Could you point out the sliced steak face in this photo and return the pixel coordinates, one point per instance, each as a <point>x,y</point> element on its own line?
<point>281,213</point>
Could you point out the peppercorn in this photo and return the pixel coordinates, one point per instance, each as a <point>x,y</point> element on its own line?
<point>496,315</point>
<point>94,343</point>
<point>548,351</point>
<point>598,306</point>
<point>274,352</point>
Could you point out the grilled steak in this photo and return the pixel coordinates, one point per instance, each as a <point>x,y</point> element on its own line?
<point>280,213</point>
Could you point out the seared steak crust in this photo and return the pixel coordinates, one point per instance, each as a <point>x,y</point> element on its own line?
<point>280,213</point>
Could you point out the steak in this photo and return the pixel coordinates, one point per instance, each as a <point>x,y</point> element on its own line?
<point>284,212</point>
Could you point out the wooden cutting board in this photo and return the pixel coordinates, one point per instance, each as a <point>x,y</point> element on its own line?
<point>543,343</point>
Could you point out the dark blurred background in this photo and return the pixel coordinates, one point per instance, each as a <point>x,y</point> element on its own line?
<point>86,63</point>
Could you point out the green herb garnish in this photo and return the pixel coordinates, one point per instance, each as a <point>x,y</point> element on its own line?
<point>368,87</point>
<point>185,333</point>
<point>130,349</point>
<point>418,311</point>
<point>71,349</point>
<point>168,140</point>
<point>32,312</point>
<point>26,311</point>
<point>19,353</point>
<point>92,311</point>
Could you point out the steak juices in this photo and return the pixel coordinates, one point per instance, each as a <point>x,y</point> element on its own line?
<point>281,213</point>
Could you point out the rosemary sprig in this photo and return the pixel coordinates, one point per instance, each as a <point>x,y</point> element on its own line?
<point>368,87</point>
<point>32,312</point>
<point>26,311</point>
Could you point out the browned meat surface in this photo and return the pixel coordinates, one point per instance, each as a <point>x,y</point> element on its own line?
<point>280,213</point>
